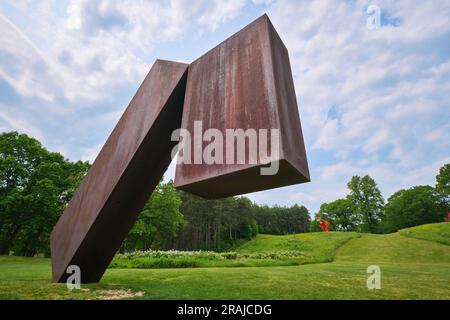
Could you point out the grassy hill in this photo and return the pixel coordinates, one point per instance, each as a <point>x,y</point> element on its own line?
<point>438,232</point>
<point>312,247</point>
<point>410,269</point>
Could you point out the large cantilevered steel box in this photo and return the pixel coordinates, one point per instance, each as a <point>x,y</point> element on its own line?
<point>243,83</point>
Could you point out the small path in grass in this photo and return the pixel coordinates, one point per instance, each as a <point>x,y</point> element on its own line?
<point>391,249</point>
<point>437,232</point>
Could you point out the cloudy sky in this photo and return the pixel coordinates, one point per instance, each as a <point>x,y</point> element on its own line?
<point>371,102</point>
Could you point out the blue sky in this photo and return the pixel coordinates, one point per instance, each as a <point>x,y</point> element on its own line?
<point>371,101</point>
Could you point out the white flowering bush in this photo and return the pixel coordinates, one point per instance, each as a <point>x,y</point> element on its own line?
<point>209,255</point>
<point>174,254</point>
<point>272,255</point>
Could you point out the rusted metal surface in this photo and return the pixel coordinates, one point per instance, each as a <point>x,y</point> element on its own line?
<point>245,82</point>
<point>122,178</point>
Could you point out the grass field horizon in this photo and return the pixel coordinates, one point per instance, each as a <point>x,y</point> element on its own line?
<point>414,264</point>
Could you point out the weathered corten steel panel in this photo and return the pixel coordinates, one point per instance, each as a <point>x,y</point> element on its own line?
<point>121,179</point>
<point>245,82</point>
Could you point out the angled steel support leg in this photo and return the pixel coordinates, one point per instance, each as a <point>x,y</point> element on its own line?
<point>122,177</point>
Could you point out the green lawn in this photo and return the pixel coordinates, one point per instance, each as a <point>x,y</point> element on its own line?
<point>410,269</point>
<point>439,232</point>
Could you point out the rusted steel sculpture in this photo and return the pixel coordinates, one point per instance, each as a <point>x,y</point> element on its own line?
<point>122,177</point>
<point>243,83</point>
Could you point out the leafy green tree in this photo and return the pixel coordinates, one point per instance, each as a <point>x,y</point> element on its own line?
<point>366,203</point>
<point>340,214</point>
<point>413,207</point>
<point>443,185</point>
<point>160,220</point>
<point>35,185</point>
<point>248,227</point>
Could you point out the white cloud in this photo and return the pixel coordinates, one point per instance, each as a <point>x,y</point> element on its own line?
<point>12,122</point>
<point>217,12</point>
<point>17,50</point>
<point>89,154</point>
<point>96,46</point>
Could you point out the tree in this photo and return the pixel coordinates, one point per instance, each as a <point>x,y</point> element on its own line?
<point>282,220</point>
<point>366,203</point>
<point>35,185</point>
<point>443,185</point>
<point>413,207</point>
<point>248,226</point>
<point>160,220</point>
<point>214,224</point>
<point>340,214</point>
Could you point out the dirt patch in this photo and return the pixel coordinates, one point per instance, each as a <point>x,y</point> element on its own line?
<point>118,294</point>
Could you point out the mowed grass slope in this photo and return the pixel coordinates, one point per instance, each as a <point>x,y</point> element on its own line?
<point>410,269</point>
<point>438,232</point>
<point>312,247</point>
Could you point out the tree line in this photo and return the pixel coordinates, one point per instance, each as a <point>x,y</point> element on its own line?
<point>365,210</point>
<point>36,185</point>
<point>223,224</point>
<point>175,219</point>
